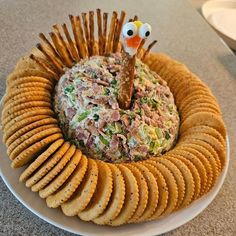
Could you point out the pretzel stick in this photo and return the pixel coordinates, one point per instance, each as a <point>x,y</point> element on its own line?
<point>43,63</point>
<point>111,32</point>
<point>62,42</point>
<point>60,49</point>
<point>50,47</point>
<point>127,80</point>
<point>82,44</point>
<point>118,31</point>
<point>73,25</point>
<point>148,49</point>
<point>71,44</point>
<point>86,31</point>
<point>91,31</point>
<point>100,38</point>
<point>54,60</point>
<point>105,16</point>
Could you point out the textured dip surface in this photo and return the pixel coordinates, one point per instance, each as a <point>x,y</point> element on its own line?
<point>89,113</point>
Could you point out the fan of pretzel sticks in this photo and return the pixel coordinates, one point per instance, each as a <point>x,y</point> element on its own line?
<point>63,51</point>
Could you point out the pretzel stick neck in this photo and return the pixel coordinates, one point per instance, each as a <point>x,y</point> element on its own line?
<point>127,81</point>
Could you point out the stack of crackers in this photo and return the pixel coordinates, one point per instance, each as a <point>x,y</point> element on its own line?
<point>106,193</point>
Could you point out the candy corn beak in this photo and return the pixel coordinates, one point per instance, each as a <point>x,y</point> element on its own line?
<point>133,42</point>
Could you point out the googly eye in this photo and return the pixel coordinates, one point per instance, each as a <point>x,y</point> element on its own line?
<point>129,30</point>
<point>145,31</point>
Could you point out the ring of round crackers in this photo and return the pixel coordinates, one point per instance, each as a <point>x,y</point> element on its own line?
<point>153,191</point>
<point>116,200</point>
<point>42,165</point>
<point>32,151</point>
<point>131,197</point>
<point>143,193</point>
<point>74,185</point>
<point>63,176</point>
<point>102,194</point>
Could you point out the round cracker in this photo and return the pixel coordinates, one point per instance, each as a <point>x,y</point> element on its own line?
<point>210,149</point>
<point>45,132</point>
<point>195,110</point>
<point>18,92</point>
<point>143,193</point>
<point>188,179</point>
<point>207,130</point>
<point>205,162</point>
<point>24,99</point>
<point>36,111</point>
<point>153,192</point>
<point>171,185</point>
<point>33,150</point>
<point>212,161</point>
<point>102,194</point>
<point>10,130</point>
<point>24,138</point>
<point>178,177</point>
<point>200,104</point>
<point>10,109</point>
<point>195,174</point>
<point>27,72</point>
<point>181,151</point>
<point>29,79</point>
<point>50,175</point>
<point>117,198</point>
<point>62,177</point>
<point>54,152</point>
<point>204,118</point>
<point>74,184</point>
<point>219,148</point>
<point>27,128</point>
<point>162,191</point>
<point>30,85</point>
<point>41,169</point>
<point>131,197</point>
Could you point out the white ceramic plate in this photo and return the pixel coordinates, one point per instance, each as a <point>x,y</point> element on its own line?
<point>221,14</point>
<point>72,224</point>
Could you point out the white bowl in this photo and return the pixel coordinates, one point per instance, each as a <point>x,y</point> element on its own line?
<point>221,15</point>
